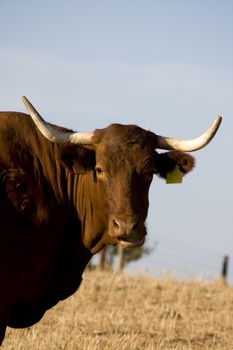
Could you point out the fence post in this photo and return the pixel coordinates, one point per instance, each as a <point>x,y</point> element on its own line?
<point>225,268</point>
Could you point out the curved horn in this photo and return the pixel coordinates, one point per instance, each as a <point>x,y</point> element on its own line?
<point>170,143</point>
<point>54,135</point>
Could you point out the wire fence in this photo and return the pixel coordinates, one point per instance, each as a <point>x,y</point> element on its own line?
<point>186,260</point>
<point>182,259</point>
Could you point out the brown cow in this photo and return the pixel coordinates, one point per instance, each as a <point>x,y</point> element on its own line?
<point>64,196</point>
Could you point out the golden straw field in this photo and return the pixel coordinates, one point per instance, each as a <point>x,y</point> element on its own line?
<point>122,312</point>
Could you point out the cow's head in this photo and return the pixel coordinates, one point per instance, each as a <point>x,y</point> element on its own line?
<point>125,162</point>
<point>124,159</point>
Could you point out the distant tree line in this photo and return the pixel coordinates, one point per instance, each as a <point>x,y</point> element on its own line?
<point>117,258</point>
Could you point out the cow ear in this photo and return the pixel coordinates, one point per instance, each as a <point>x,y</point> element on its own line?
<point>166,162</point>
<point>78,158</point>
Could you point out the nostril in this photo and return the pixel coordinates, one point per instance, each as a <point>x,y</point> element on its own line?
<point>126,227</point>
<point>135,226</point>
<point>115,223</point>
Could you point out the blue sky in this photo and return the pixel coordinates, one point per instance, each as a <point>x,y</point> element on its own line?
<point>164,65</point>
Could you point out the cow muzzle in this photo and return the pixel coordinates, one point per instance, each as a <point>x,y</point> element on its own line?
<point>130,232</point>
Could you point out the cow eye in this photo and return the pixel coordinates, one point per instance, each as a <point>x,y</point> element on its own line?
<point>98,170</point>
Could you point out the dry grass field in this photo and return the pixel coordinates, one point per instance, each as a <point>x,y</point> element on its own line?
<point>121,312</point>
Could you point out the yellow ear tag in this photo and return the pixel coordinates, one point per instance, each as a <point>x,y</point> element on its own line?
<point>175,176</point>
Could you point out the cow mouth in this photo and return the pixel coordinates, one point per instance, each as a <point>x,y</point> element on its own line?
<point>132,243</point>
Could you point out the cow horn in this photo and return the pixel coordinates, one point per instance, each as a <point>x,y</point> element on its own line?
<point>170,143</point>
<point>53,134</point>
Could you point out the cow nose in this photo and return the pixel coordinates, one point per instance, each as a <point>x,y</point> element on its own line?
<point>125,227</point>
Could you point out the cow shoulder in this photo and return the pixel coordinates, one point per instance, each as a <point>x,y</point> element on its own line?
<point>24,194</point>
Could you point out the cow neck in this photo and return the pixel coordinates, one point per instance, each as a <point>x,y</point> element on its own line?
<point>49,167</point>
<point>89,201</point>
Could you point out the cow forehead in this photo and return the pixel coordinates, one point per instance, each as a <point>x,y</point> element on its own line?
<point>120,144</point>
<point>125,134</point>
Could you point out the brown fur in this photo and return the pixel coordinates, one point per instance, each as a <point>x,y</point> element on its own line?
<point>60,204</point>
